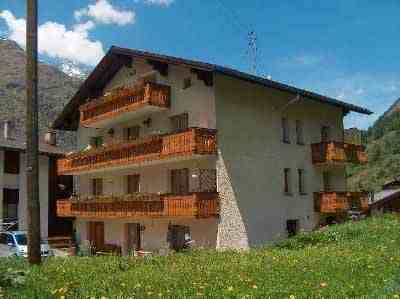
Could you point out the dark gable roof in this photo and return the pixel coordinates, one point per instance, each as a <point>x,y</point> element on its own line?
<point>117,57</point>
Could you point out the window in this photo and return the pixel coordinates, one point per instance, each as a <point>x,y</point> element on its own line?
<point>292,227</point>
<point>302,181</point>
<point>180,122</point>
<point>11,162</point>
<point>180,181</point>
<point>133,182</point>
<point>326,179</point>
<point>287,181</point>
<point>285,130</point>
<point>131,133</point>
<point>299,132</point>
<point>96,141</point>
<point>325,134</point>
<point>187,82</point>
<point>97,187</point>
<point>10,203</point>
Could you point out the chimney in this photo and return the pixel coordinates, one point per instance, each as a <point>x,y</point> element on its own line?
<point>8,129</point>
<point>51,138</point>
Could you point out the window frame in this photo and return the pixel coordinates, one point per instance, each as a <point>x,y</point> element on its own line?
<point>302,181</point>
<point>131,137</point>
<point>179,181</point>
<point>326,181</point>
<point>96,183</point>
<point>136,178</point>
<point>300,132</point>
<point>180,122</point>
<point>287,181</point>
<point>12,162</point>
<point>285,130</point>
<point>96,141</point>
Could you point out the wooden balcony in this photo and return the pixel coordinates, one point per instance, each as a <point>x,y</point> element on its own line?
<point>120,105</point>
<point>338,153</point>
<point>196,205</point>
<point>340,202</point>
<point>194,141</point>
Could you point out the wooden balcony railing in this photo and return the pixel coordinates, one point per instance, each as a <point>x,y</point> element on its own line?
<point>125,100</point>
<point>193,141</point>
<point>340,202</point>
<point>338,152</point>
<point>196,205</point>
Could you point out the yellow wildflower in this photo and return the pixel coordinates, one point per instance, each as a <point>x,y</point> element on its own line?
<point>292,297</point>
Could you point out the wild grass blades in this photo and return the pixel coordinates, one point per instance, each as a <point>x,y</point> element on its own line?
<point>351,260</point>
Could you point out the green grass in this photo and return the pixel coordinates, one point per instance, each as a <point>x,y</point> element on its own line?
<point>353,260</point>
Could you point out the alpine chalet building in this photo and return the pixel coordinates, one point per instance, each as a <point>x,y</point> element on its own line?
<point>172,150</point>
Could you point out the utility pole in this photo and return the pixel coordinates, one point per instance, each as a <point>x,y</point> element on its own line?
<point>32,134</point>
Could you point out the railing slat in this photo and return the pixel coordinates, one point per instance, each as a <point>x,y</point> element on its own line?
<point>200,205</point>
<point>338,152</point>
<point>193,141</point>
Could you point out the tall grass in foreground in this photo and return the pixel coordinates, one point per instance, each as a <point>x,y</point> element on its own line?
<point>352,260</point>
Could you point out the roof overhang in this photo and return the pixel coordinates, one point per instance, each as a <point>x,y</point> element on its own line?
<point>117,57</point>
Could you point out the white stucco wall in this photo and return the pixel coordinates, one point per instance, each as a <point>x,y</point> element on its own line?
<point>154,236</point>
<point>153,179</point>
<point>197,101</point>
<point>18,181</point>
<point>252,157</point>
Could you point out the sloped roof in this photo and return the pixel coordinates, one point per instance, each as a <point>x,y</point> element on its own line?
<point>385,196</point>
<point>116,57</point>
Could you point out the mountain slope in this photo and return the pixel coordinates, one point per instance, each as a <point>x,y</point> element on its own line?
<point>383,148</point>
<point>55,89</point>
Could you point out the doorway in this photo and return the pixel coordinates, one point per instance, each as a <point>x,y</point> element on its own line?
<point>96,235</point>
<point>178,236</point>
<point>133,237</point>
<point>292,227</point>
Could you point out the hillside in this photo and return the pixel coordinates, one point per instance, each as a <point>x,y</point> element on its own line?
<point>55,89</point>
<point>351,260</point>
<point>383,148</point>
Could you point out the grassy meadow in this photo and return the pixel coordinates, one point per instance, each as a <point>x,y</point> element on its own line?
<point>351,260</point>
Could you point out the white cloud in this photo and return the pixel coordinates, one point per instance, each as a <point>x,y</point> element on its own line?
<point>56,41</point>
<point>159,2</point>
<point>103,12</point>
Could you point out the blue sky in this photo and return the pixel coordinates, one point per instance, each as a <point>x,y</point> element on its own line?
<point>347,49</point>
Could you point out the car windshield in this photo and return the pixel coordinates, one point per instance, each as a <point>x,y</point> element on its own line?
<point>22,239</point>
